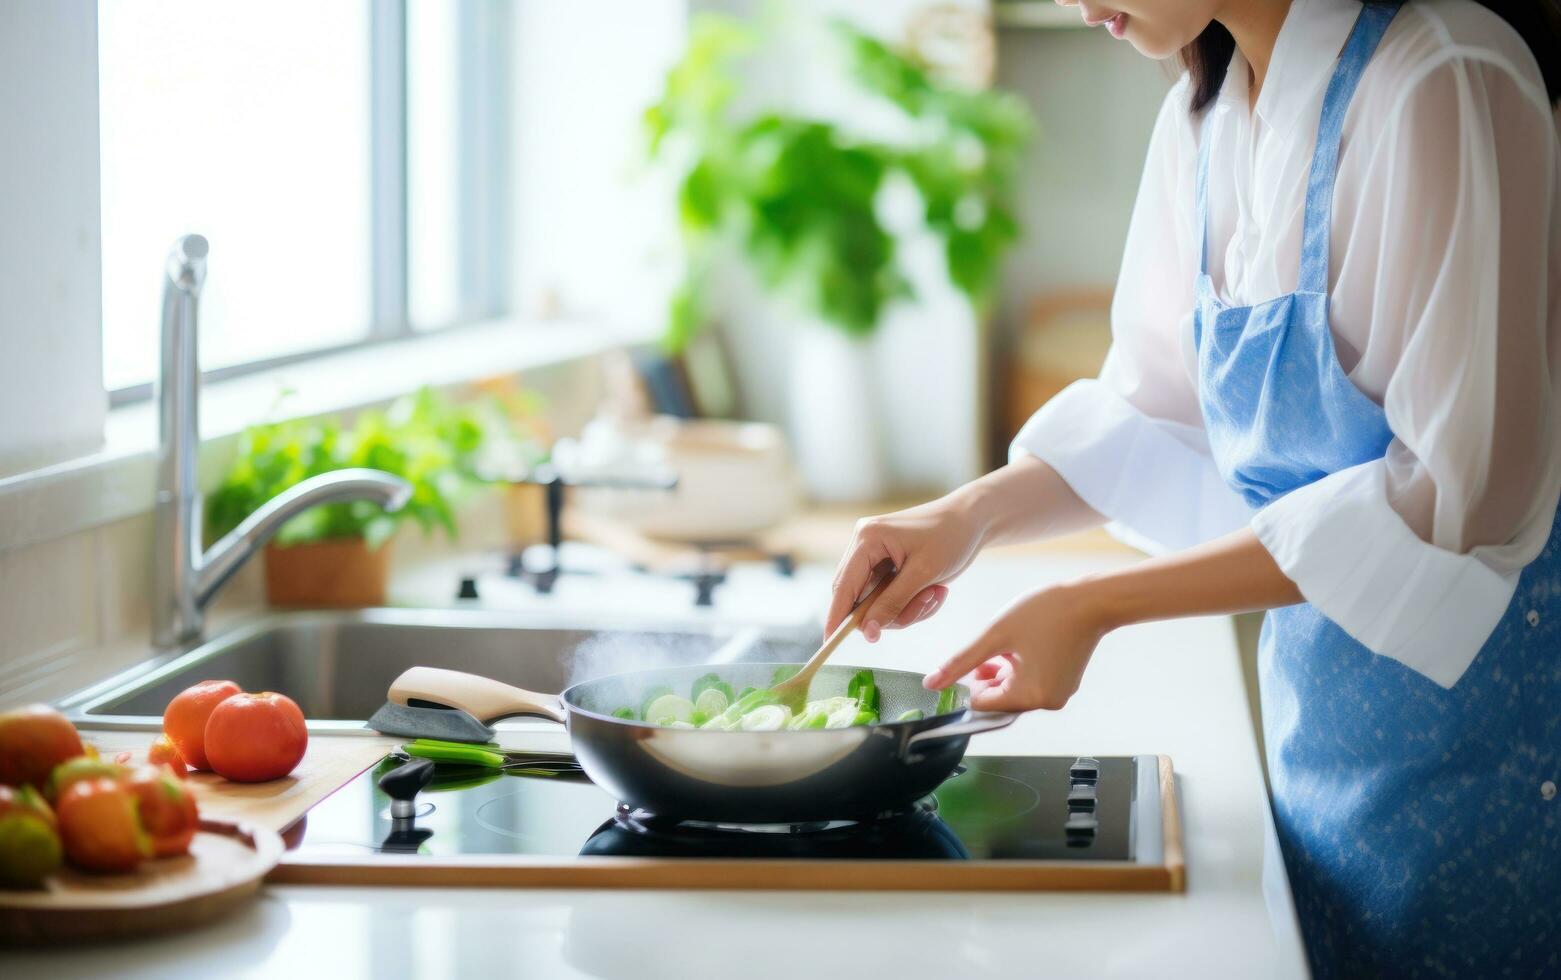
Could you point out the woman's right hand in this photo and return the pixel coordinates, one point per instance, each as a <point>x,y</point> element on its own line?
<point>931,544</point>
<point>928,545</point>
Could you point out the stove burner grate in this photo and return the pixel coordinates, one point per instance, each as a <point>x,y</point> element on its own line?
<point>641,821</point>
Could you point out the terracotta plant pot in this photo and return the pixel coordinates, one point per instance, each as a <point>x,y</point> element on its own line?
<point>340,573</point>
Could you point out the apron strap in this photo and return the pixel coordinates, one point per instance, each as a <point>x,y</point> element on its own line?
<point>1318,218</point>
<point>1370,25</point>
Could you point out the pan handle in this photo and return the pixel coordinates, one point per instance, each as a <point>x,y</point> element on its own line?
<point>482,697</point>
<point>974,722</point>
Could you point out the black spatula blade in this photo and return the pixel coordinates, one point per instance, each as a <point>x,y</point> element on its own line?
<point>448,724</point>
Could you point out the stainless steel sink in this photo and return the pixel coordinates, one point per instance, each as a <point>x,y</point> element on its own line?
<point>338,665</point>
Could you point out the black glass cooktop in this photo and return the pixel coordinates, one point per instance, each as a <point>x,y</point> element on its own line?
<point>995,808</point>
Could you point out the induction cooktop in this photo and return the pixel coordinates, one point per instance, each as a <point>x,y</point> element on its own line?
<point>1000,822</point>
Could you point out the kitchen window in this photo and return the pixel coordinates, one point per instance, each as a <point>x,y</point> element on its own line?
<point>346,160</point>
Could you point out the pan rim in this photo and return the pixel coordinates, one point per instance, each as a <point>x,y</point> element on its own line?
<point>571,709</point>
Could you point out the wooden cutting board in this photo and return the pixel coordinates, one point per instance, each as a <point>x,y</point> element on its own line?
<point>224,868</point>
<point>331,761</point>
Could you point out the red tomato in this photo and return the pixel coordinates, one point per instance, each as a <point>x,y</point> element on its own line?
<point>166,808</point>
<point>185,719</point>
<point>254,737</point>
<point>163,753</point>
<point>100,828</point>
<point>33,740</point>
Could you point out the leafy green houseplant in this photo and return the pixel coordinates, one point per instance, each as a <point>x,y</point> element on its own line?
<point>335,554</point>
<point>799,198</point>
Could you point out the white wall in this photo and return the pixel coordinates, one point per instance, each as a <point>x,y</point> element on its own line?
<point>1095,100</point>
<point>51,390</point>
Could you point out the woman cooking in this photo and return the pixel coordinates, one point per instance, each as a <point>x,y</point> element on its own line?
<point>1334,393</point>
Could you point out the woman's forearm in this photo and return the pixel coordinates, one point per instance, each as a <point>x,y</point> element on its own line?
<point>1024,501</point>
<point>1231,574</point>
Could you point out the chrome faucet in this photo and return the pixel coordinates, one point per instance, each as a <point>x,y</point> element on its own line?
<point>184,578</point>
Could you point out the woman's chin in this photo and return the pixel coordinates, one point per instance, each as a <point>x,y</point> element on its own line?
<point>1150,45</point>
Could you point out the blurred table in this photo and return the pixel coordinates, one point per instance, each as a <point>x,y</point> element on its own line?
<point>820,533</point>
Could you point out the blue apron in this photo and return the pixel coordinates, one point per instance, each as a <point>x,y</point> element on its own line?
<point>1419,825</point>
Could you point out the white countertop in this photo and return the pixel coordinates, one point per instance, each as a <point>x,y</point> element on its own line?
<point>1169,688</point>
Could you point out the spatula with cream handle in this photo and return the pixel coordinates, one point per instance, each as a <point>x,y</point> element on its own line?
<point>793,691</point>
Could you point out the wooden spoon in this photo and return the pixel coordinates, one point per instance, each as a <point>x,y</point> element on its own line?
<point>793,691</point>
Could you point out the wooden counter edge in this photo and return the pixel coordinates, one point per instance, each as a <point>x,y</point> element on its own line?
<point>1171,821</point>
<point>506,871</point>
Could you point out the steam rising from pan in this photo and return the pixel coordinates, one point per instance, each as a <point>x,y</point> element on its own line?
<point>621,653</point>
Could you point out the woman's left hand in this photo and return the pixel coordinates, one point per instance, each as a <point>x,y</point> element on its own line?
<point>1032,655</point>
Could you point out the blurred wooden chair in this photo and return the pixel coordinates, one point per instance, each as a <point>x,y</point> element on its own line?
<point>1064,337</point>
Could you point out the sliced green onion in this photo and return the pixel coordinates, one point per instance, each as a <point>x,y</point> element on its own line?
<point>712,701</point>
<point>766,718</point>
<point>946,700</point>
<point>812,717</point>
<point>712,682</point>
<point>660,690</point>
<point>757,698</point>
<point>842,712</point>
<point>670,708</point>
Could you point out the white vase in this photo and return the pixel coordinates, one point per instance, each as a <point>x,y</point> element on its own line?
<point>835,427</point>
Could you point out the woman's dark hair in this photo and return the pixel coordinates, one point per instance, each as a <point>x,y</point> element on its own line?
<point>1537,21</point>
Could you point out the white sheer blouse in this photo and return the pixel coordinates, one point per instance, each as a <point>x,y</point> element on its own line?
<point>1445,308</point>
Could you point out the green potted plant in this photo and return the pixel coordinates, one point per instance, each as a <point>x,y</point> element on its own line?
<point>805,203</point>
<point>338,554</point>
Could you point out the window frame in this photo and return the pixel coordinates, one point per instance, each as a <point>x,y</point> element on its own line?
<point>484,223</point>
